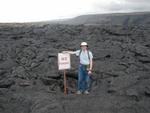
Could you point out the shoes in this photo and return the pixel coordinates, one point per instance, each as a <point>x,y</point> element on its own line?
<point>79,92</point>
<point>86,92</point>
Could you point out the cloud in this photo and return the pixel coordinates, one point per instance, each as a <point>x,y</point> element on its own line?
<point>138,1</point>
<point>138,5</point>
<point>124,6</point>
<point>40,10</point>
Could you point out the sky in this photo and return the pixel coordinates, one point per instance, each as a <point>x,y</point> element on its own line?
<point>45,10</point>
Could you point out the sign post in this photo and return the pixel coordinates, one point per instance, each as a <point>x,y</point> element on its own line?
<point>63,64</point>
<point>65,82</point>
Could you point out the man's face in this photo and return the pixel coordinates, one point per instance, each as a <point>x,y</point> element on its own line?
<point>83,47</point>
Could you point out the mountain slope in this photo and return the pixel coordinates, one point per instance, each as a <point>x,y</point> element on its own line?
<point>141,18</point>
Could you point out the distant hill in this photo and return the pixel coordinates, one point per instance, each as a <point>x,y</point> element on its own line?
<point>138,18</point>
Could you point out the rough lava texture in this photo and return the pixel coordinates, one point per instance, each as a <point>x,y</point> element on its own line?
<point>31,83</point>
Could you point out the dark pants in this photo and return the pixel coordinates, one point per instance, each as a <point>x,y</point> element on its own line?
<point>83,78</point>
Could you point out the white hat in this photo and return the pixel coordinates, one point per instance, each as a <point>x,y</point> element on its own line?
<point>84,44</point>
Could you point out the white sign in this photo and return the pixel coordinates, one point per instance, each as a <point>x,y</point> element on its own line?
<point>64,61</point>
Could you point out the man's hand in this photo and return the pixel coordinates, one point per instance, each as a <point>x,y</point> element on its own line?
<point>89,72</point>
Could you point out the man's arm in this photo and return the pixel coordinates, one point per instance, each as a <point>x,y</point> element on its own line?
<point>90,68</point>
<point>91,64</point>
<point>70,52</point>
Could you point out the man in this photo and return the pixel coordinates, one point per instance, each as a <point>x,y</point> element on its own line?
<point>85,67</point>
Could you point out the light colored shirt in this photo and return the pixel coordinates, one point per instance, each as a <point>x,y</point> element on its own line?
<point>84,59</point>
